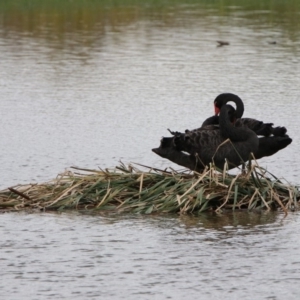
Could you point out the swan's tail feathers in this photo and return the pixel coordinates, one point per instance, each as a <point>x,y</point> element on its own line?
<point>272,144</point>
<point>266,129</point>
<point>280,142</point>
<point>279,131</point>
<point>261,128</point>
<point>166,143</point>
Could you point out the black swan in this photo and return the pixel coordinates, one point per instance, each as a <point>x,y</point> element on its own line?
<point>274,138</point>
<point>259,127</point>
<point>206,145</point>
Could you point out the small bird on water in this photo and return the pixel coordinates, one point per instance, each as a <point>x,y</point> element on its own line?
<point>222,43</point>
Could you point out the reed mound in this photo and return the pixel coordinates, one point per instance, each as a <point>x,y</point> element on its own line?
<point>127,189</point>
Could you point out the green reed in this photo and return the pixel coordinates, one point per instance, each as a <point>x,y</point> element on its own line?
<point>128,189</point>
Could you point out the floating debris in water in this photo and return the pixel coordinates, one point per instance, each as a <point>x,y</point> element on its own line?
<point>222,43</point>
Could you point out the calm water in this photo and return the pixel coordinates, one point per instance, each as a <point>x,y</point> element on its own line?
<point>90,86</point>
<point>71,256</point>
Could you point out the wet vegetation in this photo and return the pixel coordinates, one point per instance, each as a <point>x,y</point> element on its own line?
<point>127,189</point>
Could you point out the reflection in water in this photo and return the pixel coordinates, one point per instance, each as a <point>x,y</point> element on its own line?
<point>58,21</point>
<point>236,219</point>
<point>73,255</point>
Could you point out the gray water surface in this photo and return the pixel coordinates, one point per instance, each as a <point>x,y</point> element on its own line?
<point>64,256</point>
<point>90,88</point>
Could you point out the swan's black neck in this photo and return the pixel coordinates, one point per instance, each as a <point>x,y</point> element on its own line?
<point>224,98</point>
<point>226,127</point>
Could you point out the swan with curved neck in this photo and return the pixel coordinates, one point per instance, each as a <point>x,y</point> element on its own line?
<point>207,146</point>
<point>224,98</point>
<point>202,143</point>
<point>259,127</point>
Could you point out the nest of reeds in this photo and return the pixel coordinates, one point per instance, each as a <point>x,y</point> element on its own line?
<point>127,189</point>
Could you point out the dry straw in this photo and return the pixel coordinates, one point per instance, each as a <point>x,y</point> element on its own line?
<point>128,189</point>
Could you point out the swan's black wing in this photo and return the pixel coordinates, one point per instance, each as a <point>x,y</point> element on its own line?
<point>214,120</point>
<point>208,145</point>
<point>201,140</point>
<point>259,127</point>
<point>193,149</point>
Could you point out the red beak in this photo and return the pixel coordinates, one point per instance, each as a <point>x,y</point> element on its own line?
<point>217,110</point>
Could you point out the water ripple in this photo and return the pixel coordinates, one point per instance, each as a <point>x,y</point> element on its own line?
<point>79,255</point>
